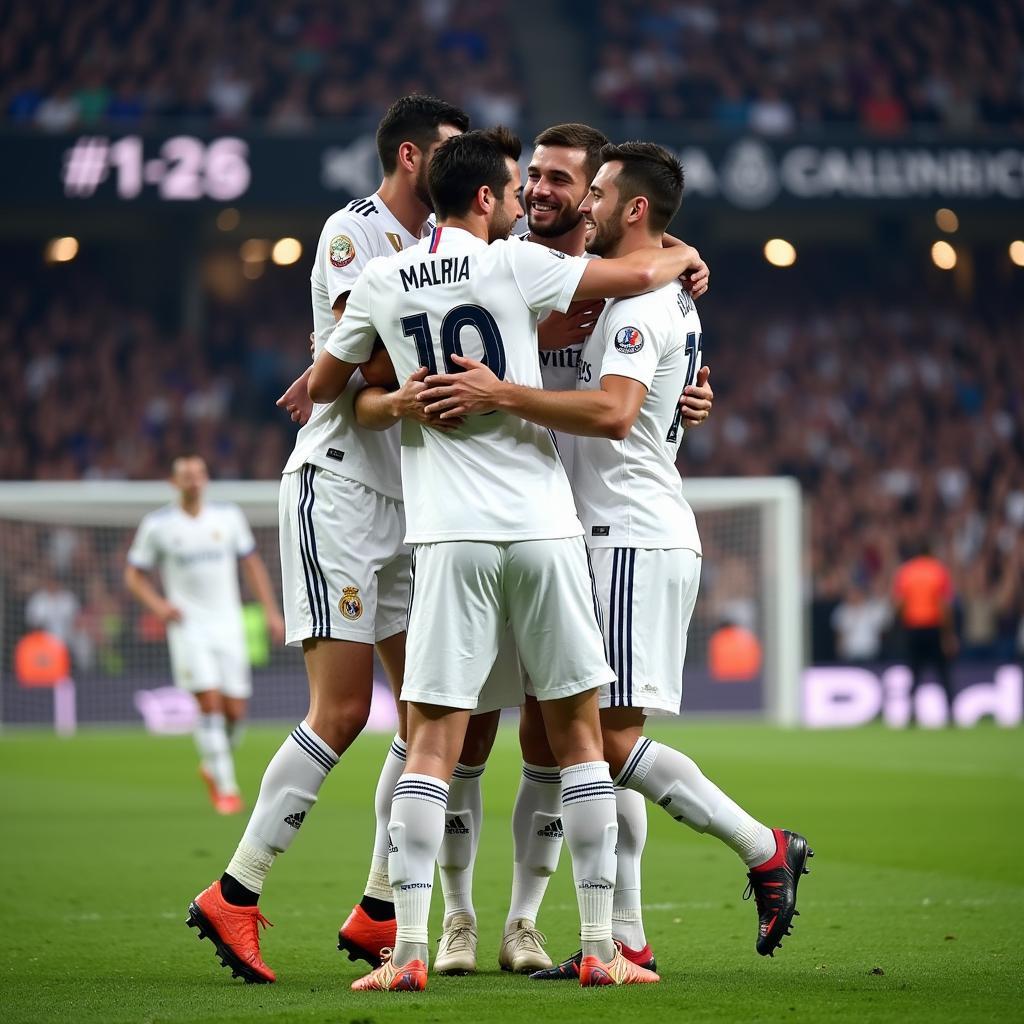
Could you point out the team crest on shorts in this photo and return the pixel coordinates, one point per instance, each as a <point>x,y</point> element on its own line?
<point>350,606</point>
<point>629,340</point>
<point>342,251</point>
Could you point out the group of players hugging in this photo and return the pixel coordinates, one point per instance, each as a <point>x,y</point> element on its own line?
<point>484,491</point>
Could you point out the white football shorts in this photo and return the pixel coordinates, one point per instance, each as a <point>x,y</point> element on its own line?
<point>344,563</point>
<point>647,599</point>
<point>206,659</point>
<point>464,593</point>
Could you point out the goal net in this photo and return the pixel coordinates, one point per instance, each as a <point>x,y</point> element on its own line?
<point>62,557</point>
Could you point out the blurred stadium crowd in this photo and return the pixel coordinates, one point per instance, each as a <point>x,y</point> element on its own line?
<point>900,422</point>
<point>236,63</point>
<point>881,66</point>
<point>769,66</point>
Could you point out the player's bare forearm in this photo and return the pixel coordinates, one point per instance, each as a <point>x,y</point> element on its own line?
<point>258,578</point>
<point>147,595</point>
<point>375,409</point>
<point>477,390</point>
<point>328,378</point>
<point>638,272</point>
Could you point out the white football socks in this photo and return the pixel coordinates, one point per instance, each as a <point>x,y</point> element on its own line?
<point>288,790</point>
<point>537,840</point>
<point>627,919</point>
<point>588,814</point>
<point>416,830</point>
<point>377,884</point>
<point>673,781</point>
<point>457,855</point>
<point>211,738</point>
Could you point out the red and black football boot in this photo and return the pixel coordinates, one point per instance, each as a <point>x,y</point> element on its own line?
<point>569,970</point>
<point>773,886</point>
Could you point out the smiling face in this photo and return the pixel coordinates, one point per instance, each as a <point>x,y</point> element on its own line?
<point>603,211</point>
<point>510,208</point>
<point>556,183</point>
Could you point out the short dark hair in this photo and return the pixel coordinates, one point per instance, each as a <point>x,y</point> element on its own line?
<point>574,135</point>
<point>467,162</point>
<point>651,171</point>
<point>416,119</point>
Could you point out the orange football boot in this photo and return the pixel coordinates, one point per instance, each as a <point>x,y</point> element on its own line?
<point>234,931</point>
<point>618,971</point>
<point>365,939</point>
<point>228,803</point>
<point>410,977</point>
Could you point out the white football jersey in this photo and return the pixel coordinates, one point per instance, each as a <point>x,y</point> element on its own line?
<point>558,372</point>
<point>498,477</point>
<point>629,492</point>
<point>362,231</point>
<point>198,561</point>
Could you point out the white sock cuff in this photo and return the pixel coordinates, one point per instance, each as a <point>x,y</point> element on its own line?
<point>398,747</point>
<point>582,783</point>
<point>249,866</point>
<point>468,771</point>
<point>546,774</point>
<point>638,764</point>
<point>412,786</point>
<point>314,748</point>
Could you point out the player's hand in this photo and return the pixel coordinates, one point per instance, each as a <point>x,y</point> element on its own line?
<point>451,395</point>
<point>296,401</point>
<point>406,404</point>
<point>312,344</point>
<point>697,279</point>
<point>557,330</point>
<point>167,612</point>
<point>275,627</point>
<point>696,400</point>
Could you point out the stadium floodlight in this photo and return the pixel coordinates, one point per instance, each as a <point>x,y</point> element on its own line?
<point>943,255</point>
<point>946,220</point>
<point>74,536</point>
<point>1017,252</point>
<point>779,253</point>
<point>286,251</point>
<point>61,250</point>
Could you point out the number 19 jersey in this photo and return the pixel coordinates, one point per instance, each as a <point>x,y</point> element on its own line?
<point>629,492</point>
<point>498,477</point>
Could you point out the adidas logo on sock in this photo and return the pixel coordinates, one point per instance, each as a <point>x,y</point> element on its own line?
<point>552,830</point>
<point>295,820</point>
<point>455,826</point>
<point>391,845</point>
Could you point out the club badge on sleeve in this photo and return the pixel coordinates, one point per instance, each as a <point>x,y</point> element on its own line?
<point>628,341</point>
<point>342,251</point>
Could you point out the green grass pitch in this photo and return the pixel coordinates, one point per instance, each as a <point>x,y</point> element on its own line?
<point>914,910</point>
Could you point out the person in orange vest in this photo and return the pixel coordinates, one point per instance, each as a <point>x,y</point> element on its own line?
<point>922,592</point>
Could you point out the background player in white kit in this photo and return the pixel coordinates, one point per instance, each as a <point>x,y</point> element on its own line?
<point>493,527</point>
<point>643,353</point>
<point>344,564</point>
<point>197,547</point>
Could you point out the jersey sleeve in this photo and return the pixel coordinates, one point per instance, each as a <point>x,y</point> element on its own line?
<point>347,247</point>
<point>352,339</point>
<point>145,551</point>
<point>547,279</point>
<point>245,542</point>
<point>631,346</point>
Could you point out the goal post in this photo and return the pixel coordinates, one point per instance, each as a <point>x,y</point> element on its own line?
<point>62,556</point>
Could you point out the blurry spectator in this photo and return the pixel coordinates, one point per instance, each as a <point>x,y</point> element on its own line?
<point>923,594</point>
<point>58,112</point>
<point>882,113</point>
<point>859,622</point>
<point>54,608</point>
<point>771,114</point>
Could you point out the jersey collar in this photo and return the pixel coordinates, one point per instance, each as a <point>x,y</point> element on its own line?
<point>450,236</point>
